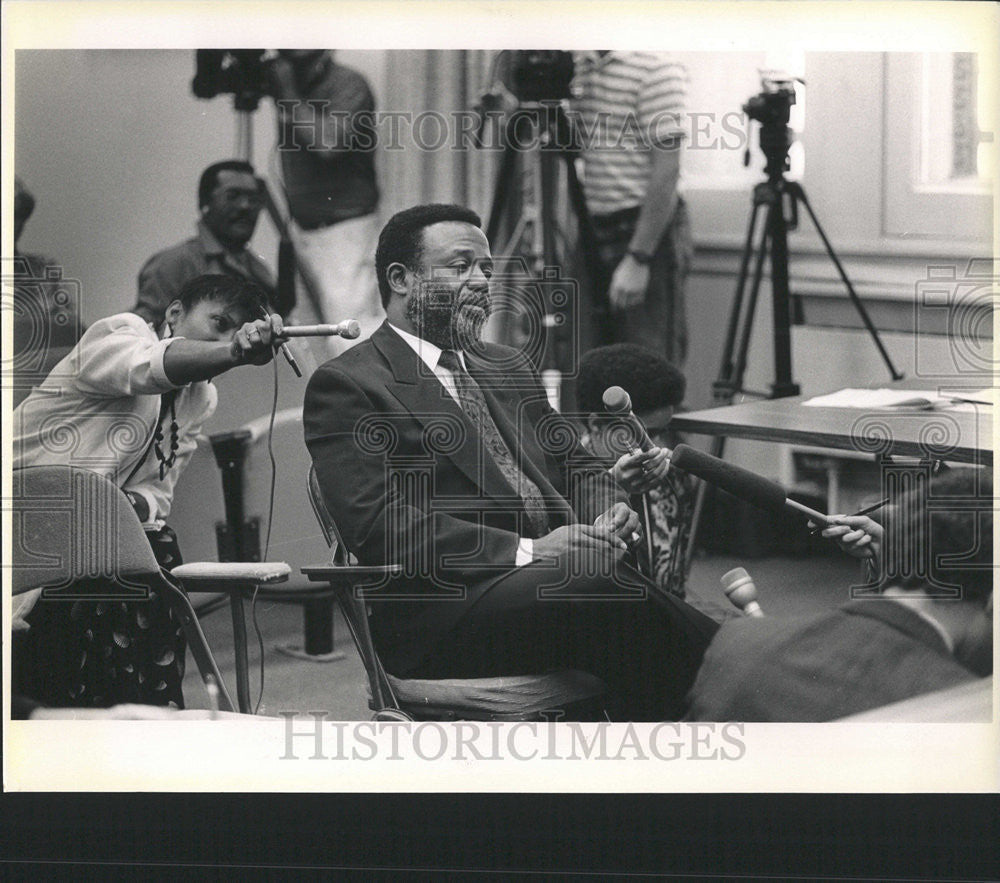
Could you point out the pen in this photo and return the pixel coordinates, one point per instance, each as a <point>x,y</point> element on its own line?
<point>866,511</point>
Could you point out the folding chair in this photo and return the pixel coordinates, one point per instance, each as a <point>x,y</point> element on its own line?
<point>520,697</point>
<point>72,524</point>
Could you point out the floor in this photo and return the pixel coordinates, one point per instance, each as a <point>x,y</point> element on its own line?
<point>338,688</point>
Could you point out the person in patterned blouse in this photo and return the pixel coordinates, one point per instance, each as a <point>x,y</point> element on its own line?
<point>656,388</point>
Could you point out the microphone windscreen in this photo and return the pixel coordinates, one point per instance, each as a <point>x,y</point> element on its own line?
<point>732,579</point>
<point>616,400</point>
<point>352,330</point>
<point>735,480</point>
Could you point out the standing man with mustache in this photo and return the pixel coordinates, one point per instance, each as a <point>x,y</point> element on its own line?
<point>439,452</point>
<point>229,202</point>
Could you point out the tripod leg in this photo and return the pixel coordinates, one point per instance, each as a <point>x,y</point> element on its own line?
<point>743,349</point>
<point>503,185</point>
<point>800,194</point>
<point>780,300</point>
<point>723,388</point>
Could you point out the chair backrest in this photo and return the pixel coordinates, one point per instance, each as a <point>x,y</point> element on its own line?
<point>352,605</point>
<point>338,551</point>
<point>71,524</point>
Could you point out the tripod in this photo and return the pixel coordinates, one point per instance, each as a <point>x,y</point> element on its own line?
<point>535,232</point>
<point>773,195</point>
<point>286,289</point>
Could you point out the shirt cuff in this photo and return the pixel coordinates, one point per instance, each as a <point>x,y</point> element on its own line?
<point>150,501</point>
<point>156,369</point>
<point>525,552</point>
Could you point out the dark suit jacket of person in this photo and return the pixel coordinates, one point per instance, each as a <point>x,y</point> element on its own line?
<point>862,655</point>
<point>405,475</point>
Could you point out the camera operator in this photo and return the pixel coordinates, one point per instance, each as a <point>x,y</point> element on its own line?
<point>229,203</point>
<point>328,164</point>
<point>630,106</point>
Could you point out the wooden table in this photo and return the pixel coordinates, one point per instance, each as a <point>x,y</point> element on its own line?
<point>962,437</point>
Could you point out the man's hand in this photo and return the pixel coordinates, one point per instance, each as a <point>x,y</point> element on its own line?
<point>858,535</point>
<point>641,470</point>
<point>578,539</point>
<point>254,343</point>
<point>628,284</point>
<point>621,522</point>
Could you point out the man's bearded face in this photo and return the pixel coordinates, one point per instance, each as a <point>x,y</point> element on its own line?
<point>447,310</point>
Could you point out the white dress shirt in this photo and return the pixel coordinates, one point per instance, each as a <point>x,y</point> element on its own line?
<point>98,410</point>
<point>430,355</point>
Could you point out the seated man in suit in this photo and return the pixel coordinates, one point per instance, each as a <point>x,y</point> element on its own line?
<point>439,452</point>
<point>930,626</point>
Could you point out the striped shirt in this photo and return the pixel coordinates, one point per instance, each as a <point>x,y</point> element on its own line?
<point>625,105</point>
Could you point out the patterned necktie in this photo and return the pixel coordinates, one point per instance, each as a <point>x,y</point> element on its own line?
<point>473,403</point>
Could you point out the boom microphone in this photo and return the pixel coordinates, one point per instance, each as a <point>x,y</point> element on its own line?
<point>617,402</point>
<point>739,482</point>
<point>348,329</point>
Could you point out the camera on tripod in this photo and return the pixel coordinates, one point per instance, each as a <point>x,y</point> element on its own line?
<point>772,105</point>
<point>772,108</point>
<point>242,73</point>
<point>541,74</point>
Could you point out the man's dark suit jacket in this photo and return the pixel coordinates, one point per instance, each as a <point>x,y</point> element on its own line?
<point>862,655</point>
<point>405,475</point>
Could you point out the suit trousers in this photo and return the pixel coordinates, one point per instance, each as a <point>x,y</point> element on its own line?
<point>645,644</point>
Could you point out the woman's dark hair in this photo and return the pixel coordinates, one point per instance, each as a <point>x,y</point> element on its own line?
<point>240,294</point>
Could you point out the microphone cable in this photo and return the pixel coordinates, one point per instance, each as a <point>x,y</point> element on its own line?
<point>267,535</point>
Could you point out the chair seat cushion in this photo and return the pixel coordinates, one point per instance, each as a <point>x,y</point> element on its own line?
<point>233,571</point>
<point>515,695</point>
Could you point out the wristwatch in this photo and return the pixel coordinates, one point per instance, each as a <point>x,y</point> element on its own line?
<point>140,504</point>
<point>640,257</point>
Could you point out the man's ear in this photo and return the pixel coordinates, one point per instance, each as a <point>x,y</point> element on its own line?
<point>395,275</point>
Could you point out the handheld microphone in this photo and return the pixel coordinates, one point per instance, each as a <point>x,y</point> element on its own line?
<point>739,482</point>
<point>348,329</point>
<point>617,402</point>
<point>285,351</point>
<point>741,591</point>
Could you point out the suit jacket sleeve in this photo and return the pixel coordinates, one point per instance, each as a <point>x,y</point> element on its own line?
<point>384,521</point>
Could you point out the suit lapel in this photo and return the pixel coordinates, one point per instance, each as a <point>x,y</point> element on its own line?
<point>420,392</point>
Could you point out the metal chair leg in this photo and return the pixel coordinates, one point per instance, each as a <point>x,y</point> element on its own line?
<point>240,648</point>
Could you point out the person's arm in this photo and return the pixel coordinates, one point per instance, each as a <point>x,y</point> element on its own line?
<point>660,107</point>
<point>186,361</point>
<point>385,524</point>
<point>631,277</point>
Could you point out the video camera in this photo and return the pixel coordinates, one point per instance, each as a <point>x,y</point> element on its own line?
<point>541,74</point>
<point>241,73</point>
<point>772,106</point>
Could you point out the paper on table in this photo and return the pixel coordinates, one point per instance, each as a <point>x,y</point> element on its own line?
<point>905,399</point>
